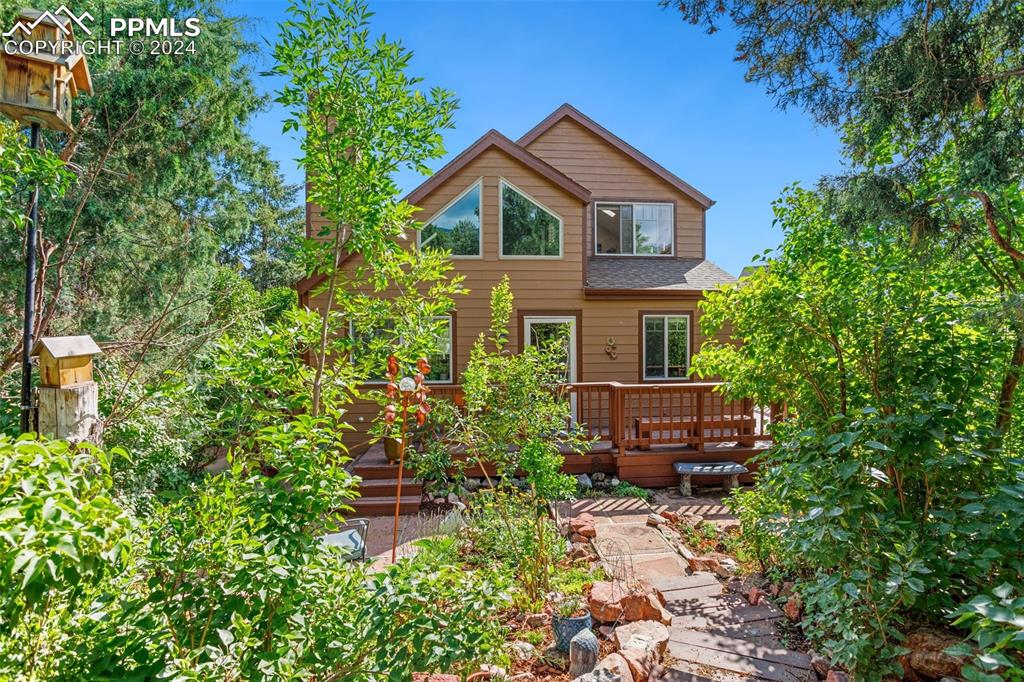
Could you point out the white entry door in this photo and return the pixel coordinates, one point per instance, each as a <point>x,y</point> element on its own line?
<point>540,329</point>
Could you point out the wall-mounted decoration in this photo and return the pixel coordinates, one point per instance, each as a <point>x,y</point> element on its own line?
<point>610,349</point>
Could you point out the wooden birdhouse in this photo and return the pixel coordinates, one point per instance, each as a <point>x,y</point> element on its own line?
<point>39,86</point>
<point>65,361</point>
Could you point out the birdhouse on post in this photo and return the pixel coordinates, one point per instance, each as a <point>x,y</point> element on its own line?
<point>68,399</point>
<point>38,86</point>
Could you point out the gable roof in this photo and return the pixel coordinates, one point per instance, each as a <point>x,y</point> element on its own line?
<point>574,114</point>
<point>493,138</point>
<point>66,346</point>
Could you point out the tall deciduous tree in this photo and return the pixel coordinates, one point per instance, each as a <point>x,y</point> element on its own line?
<point>362,118</point>
<point>930,99</point>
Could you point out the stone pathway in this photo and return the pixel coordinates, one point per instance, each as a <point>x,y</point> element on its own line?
<point>715,636</point>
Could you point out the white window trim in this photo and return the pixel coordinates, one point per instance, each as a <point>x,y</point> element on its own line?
<point>664,341</point>
<point>502,182</point>
<point>451,360</point>
<point>478,185</point>
<point>634,204</point>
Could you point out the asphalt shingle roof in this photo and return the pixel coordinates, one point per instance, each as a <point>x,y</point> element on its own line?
<point>684,274</point>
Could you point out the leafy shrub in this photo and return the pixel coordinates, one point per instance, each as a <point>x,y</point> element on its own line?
<point>63,535</point>
<point>996,622</point>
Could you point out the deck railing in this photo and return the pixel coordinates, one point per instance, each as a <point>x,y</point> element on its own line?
<point>641,416</point>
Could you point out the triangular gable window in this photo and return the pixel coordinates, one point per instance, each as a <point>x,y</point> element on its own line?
<point>528,230</point>
<point>456,227</point>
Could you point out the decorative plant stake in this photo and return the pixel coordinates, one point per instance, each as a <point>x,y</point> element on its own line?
<point>409,392</point>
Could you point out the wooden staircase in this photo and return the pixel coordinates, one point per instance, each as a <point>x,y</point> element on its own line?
<point>379,486</point>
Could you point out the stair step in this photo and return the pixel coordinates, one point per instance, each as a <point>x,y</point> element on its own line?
<point>384,506</point>
<point>388,487</point>
<point>739,656</point>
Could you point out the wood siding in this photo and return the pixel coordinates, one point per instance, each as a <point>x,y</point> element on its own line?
<point>544,284</point>
<point>612,175</point>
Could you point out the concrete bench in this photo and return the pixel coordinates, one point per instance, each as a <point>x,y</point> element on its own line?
<point>687,470</point>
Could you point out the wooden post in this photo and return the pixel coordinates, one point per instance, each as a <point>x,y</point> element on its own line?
<point>68,398</point>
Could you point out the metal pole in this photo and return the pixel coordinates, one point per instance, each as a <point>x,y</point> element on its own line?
<point>30,298</point>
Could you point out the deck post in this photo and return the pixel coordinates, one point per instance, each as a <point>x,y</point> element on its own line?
<point>700,421</point>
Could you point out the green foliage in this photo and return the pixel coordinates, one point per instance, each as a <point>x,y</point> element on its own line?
<point>621,489</point>
<point>996,622</point>
<point>576,579</point>
<point>63,535</point>
<point>887,493</point>
<point>166,177</point>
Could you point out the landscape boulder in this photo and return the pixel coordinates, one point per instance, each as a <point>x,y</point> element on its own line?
<point>583,526</point>
<point>601,675</point>
<point>656,520</point>
<point>720,564</point>
<point>670,516</point>
<point>617,665</point>
<point>756,596</point>
<point>820,665</point>
<point>640,663</point>
<point>928,655</point>
<point>644,635</point>
<point>612,602</point>
<point>794,608</point>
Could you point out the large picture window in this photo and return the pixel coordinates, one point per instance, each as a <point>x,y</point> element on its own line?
<point>666,346</point>
<point>440,362</point>
<point>527,228</point>
<point>634,229</point>
<point>456,228</point>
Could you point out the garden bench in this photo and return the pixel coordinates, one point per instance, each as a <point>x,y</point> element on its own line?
<point>687,470</point>
<point>351,538</point>
<point>742,426</point>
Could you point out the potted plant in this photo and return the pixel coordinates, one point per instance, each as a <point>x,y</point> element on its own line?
<point>570,617</point>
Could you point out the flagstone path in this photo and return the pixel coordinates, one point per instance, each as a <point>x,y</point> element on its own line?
<point>715,636</point>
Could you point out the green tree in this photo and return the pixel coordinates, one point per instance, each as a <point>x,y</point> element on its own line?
<point>166,175</point>
<point>361,117</point>
<point>885,483</point>
<point>929,98</point>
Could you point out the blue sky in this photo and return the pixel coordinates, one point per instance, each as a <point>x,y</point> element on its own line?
<point>664,86</point>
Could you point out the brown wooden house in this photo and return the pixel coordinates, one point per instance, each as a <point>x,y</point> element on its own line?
<point>597,237</point>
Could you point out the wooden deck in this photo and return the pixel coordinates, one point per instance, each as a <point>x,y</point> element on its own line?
<point>639,432</point>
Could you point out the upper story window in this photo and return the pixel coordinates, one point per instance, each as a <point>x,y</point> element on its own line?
<point>456,227</point>
<point>634,229</point>
<point>528,230</point>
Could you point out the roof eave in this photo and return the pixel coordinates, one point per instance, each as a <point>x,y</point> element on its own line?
<point>493,138</point>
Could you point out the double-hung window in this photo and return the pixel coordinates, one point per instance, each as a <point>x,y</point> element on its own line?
<point>456,227</point>
<point>666,346</point>
<point>634,229</point>
<point>440,361</point>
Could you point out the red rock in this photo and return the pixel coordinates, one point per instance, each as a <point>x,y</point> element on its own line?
<point>640,663</point>
<point>928,657</point>
<point>837,676</point>
<point>756,596</point>
<point>656,520</point>
<point>583,521</point>
<point>704,563</point>
<point>610,602</point>
<point>434,677</point>
<point>787,588</point>
<point>794,608</point>
<point>670,515</point>
<point>645,635</point>
<point>774,589</point>
<point>615,663</point>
